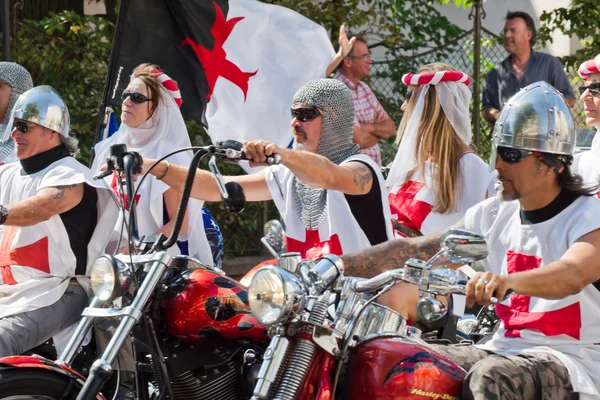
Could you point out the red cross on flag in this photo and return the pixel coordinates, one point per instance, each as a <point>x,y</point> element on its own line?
<point>246,59</point>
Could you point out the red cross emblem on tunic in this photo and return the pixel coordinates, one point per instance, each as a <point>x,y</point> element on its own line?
<point>123,198</point>
<point>411,213</point>
<point>215,61</point>
<point>312,247</point>
<point>34,255</point>
<point>564,321</point>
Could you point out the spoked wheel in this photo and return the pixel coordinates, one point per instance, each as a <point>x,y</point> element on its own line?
<point>36,384</point>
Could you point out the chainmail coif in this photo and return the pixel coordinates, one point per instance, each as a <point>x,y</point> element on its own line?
<point>335,143</point>
<point>19,81</point>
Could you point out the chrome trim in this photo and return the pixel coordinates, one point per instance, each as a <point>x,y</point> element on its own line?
<point>273,360</point>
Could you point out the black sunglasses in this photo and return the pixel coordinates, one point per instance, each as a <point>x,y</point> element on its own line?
<point>594,88</point>
<point>408,95</point>
<point>136,97</point>
<point>512,156</point>
<point>305,114</point>
<point>22,126</point>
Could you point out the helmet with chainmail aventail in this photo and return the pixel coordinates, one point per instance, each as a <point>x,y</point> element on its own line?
<point>335,100</point>
<point>19,81</point>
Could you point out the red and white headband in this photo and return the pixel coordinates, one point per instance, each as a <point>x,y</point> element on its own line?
<point>588,68</point>
<point>433,78</point>
<point>170,85</point>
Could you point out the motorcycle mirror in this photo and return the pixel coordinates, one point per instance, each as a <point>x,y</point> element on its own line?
<point>430,310</point>
<point>236,198</point>
<point>463,246</point>
<point>275,235</point>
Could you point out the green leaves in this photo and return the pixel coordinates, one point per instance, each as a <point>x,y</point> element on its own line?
<point>69,52</point>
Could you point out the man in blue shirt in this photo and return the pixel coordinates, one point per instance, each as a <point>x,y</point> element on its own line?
<point>522,67</point>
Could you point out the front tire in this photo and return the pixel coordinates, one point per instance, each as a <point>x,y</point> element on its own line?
<point>19,383</point>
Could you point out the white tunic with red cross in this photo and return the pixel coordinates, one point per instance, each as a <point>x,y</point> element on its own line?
<point>36,262</point>
<point>569,328</point>
<point>412,203</point>
<point>339,232</point>
<point>587,164</point>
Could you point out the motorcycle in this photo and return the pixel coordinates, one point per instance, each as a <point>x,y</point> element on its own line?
<point>365,350</point>
<point>188,325</point>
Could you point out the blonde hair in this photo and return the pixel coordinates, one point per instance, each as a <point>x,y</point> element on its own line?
<point>438,142</point>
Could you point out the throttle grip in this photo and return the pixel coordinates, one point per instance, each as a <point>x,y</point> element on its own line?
<point>271,160</point>
<point>509,293</point>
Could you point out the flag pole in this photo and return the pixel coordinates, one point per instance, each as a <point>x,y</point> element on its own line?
<point>114,53</point>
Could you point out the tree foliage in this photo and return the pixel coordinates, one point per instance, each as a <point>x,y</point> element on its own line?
<point>579,20</point>
<point>69,52</point>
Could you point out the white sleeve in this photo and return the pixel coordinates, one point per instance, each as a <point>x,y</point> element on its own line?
<point>478,182</point>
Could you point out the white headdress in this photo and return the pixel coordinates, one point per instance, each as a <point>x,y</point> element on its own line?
<point>454,95</point>
<point>163,133</point>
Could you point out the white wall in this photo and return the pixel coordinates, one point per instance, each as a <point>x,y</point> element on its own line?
<point>93,7</point>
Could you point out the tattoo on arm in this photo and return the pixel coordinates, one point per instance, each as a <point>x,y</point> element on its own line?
<point>60,191</point>
<point>362,175</point>
<point>390,255</point>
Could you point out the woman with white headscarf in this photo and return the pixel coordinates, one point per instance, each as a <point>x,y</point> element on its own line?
<point>587,164</point>
<point>152,125</point>
<point>435,177</point>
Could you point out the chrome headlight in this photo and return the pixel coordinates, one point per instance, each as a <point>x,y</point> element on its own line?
<point>274,294</point>
<point>110,278</point>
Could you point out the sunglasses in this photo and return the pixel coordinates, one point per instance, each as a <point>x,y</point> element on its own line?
<point>408,95</point>
<point>513,156</point>
<point>22,126</point>
<point>594,88</point>
<point>136,97</point>
<point>306,114</point>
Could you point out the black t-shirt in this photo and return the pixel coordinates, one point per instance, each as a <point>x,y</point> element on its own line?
<point>80,221</point>
<point>368,211</point>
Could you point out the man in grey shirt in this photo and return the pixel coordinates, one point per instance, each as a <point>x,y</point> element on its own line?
<point>522,67</point>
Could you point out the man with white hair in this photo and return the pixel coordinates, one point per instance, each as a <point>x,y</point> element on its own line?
<point>53,225</point>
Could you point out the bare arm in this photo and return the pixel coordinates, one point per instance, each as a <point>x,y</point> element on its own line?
<point>362,136</point>
<point>46,203</point>
<point>205,188</point>
<point>390,255</point>
<point>577,268</point>
<point>353,178</point>
<point>570,102</point>
<point>491,115</point>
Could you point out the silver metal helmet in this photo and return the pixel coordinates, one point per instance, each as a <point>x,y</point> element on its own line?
<point>537,118</point>
<point>43,106</point>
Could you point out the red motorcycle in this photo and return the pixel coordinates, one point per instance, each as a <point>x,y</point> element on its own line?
<point>365,350</point>
<point>188,326</point>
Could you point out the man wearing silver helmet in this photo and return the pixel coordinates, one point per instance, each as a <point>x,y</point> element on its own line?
<point>53,225</point>
<point>14,81</point>
<point>331,198</point>
<point>543,236</point>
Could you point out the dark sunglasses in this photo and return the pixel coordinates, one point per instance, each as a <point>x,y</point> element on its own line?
<point>22,126</point>
<point>512,156</point>
<point>305,114</point>
<point>594,88</point>
<point>408,95</point>
<point>136,97</point>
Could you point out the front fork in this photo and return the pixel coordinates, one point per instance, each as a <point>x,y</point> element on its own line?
<point>102,368</point>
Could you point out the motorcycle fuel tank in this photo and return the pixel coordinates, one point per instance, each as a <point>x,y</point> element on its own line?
<point>394,368</point>
<point>202,304</point>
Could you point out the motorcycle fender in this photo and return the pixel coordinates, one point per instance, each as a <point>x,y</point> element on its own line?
<point>37,362</point>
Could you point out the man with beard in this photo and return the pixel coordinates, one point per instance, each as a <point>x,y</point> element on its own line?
<point>331,198</point>
<point>14,81</point>
<point>522,67</point>
<point>544,245</point>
